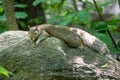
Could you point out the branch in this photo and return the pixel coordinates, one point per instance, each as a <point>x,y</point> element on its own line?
<point>74,4</point>
<point>119,3</point>
<point>114,43</point>
<point>61,4</point>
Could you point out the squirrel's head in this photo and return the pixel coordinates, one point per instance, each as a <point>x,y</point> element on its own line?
<point>34,32</point>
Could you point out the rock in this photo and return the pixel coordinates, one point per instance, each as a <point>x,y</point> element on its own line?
<point>52,59</point>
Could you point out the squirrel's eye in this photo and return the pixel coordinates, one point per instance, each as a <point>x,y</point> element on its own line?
<point>35,32</point>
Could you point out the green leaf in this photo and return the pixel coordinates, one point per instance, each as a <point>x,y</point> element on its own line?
<point>1,9</point>
<point>105,65</point>
<point>55,19</point>
<point>4,71</point>
<point>83,16</point>
<point>3,18</point>
<point>21,5</point>
<point>67,20</point>
<point>99,26</point>
<point>36,2</point>
<point>62,20</point>
<point>56,1</point>
<point>112,22</point>
<point>20,15</point>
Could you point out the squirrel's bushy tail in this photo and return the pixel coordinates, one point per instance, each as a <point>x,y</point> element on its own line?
<point>93,42</point>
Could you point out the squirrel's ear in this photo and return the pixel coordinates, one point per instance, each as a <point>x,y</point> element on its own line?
<point>29,27</point>
<point>37,28</point>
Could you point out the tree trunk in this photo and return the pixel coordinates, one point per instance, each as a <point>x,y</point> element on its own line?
<point>10,14</point>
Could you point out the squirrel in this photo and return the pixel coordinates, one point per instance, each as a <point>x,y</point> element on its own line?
<point>74,37</point>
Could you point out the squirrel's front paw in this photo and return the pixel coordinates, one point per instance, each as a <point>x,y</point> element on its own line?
<point>81,49</point>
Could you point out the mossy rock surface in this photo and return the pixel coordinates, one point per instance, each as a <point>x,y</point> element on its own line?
<point>52,59</point>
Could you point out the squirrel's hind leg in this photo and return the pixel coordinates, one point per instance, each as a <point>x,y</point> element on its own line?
<point>81,46</point>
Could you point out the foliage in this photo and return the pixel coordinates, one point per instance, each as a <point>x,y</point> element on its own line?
<point>5,72</point>
<point>62,12</point>
<point>20,15</point>
<point>3,27</point>
<point>67,18</point>
<point>20,5</point>
<point>36,2</point>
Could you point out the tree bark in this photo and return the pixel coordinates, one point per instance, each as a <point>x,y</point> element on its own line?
<point>10,14</point>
